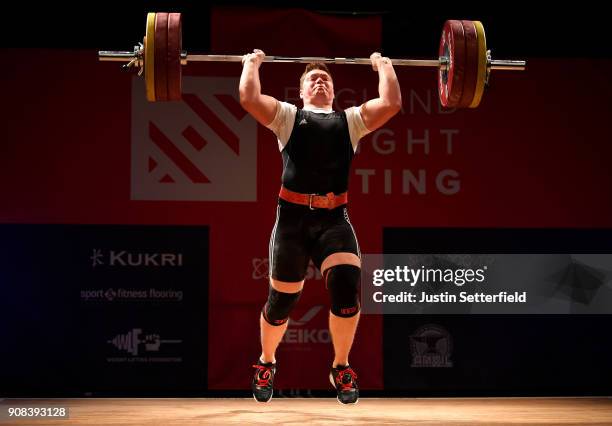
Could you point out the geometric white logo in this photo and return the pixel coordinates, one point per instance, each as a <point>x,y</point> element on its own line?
<point>203,148</point>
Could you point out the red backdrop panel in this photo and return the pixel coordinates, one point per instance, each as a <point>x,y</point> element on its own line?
<point>77,147</point>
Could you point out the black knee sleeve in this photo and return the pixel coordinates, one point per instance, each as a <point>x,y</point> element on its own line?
<point>279,305</point>
<point>342,281</point>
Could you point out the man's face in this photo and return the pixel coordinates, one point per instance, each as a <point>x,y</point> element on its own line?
<point>317,85</point>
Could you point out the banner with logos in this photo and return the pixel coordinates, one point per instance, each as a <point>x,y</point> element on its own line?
<point>104,309</point>
<point>553,346</point>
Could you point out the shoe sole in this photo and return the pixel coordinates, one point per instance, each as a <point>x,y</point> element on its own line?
<point>331,380</point>
<point>262,402</point>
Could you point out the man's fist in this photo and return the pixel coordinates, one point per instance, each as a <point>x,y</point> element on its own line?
<point>256,57</point>
<point>377,59</point>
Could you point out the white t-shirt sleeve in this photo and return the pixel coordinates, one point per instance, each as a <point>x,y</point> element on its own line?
<point>357,128</point>
<point>282,125</point>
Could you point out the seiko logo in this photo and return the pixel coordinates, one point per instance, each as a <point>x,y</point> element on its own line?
<point>298,331</point>
<point>126,258</point>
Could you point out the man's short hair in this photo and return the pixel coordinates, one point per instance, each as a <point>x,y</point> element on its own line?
<point>313,66</point>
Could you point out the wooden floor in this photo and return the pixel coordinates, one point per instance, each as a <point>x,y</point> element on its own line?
<point>306,411</point>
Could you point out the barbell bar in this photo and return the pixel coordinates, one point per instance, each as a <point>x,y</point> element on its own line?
<point>464,63</point>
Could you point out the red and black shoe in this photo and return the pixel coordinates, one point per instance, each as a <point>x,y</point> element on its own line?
<point>344,379</point>
<point>263,381</point>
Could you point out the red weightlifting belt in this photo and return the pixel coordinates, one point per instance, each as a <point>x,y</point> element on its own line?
<point>329,201</point>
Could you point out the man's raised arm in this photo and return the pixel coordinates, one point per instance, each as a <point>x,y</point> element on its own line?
<point>261,107</point>
<point>378,111</point>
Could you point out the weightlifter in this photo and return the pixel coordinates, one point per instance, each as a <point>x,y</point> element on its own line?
<point>317,145</point>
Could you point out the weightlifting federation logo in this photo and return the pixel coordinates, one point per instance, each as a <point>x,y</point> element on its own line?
<point>431,346</point>
<point>203,148</point>
<point>134,341</point>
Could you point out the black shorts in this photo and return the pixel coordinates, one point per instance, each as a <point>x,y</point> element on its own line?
<point>301,234</point>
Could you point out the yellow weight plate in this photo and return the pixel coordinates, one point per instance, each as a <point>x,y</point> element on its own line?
<point>149,60</point>
<point>482,64</point>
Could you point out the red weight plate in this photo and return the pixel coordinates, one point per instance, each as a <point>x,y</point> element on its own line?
<point>175,47</point>
<point>161,46</point>
<point>450,81</point>
<point>471,64</point>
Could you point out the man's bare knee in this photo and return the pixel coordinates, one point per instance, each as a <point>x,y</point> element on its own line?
<point>340,258</point>
<point>286,287</point>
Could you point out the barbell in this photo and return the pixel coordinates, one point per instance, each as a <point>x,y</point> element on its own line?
<point>464,63</point>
